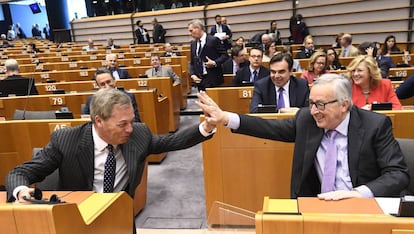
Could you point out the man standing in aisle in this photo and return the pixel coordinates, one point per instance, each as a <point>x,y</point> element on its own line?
<point>207,56</point>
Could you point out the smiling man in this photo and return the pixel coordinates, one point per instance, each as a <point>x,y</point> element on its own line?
<point>81,153</point>
<point>280,88</point>
<point>340,150</point>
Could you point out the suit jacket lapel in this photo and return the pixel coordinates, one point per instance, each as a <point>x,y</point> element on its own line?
<point>355,134</point>
<point>86,155</point>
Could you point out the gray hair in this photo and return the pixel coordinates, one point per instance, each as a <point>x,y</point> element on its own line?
<point>111,55</point>
<point>197,24</point>
<point>11,65</point>
<point>104,100</point>
<point>342,87</point>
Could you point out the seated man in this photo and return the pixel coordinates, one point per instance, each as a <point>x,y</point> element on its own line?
<point>161,71</point>
<point>308,48</point>
<point>340,150</point>
<point>17,84</point>
<point>252,73</point>
<point>106,155</point>
<point>110,44</point>
<point>112,65</point>
<point>91,46</point>
<point>281,88</point>
<point>169,51</point>
<point>104,79</point>
<point>237,61</point>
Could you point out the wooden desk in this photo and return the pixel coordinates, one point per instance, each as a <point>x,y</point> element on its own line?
<point>235,99</point>
<point>21,136</point>
<point>163,85</point>
<point>84,213</point>
<point>354,221</point>
<point>240,170</point>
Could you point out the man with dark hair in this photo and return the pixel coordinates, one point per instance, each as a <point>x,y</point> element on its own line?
<point>141,33</point>
<point>281,88</point>
<point>158,70</point>
<point>222,31</point>
<point>104,79</point>
<point>237,61</point>
<point>252,73</point>
<point>207,56</point>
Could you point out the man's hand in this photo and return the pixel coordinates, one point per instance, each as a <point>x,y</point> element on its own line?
<point>210,63</point>
<point>195,79</point>
<point>208,127</point>
<point>213,114</point>
<point>26,192</point>
<point>339,195</point>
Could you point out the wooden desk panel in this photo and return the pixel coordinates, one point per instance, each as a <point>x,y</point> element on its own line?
<point>235,99</point>
<point>163,85</point>
<point>98,213</point>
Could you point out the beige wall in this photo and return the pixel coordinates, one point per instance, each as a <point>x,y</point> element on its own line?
<point>365,20</point>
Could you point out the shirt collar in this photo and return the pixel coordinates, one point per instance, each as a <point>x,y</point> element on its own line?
<point>203,38</point>
<point>98,142</point>
<point>342,128</point>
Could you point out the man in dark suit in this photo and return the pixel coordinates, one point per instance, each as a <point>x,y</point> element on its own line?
<point>104,79</point>
<point>80,152</point>
<point>141,33</point>
<point>280,88</point>
<point>255,71</point>
<point>340,151</point>
<point>111,45</point>
<point>237,61</point>
<point>112,65</point>
<point>170,51</point>
<point>12,74</point>
<point>308,48</point>
<point>207,56</point>
<point>158,33</point>
<point>222,31</point>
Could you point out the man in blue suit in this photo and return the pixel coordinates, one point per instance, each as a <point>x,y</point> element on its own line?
<point>222,31</point>
<point>281,88</point>
<point>207,56</point>
<point>112,65</point>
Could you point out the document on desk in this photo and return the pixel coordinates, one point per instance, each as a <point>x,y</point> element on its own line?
<point>389,205</point>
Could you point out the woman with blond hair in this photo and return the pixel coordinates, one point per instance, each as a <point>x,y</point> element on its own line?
<point>318,65</point>
<point>367,84</point>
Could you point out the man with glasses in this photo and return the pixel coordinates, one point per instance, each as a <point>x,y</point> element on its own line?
<point>340,150</point>
<point>250,74</point>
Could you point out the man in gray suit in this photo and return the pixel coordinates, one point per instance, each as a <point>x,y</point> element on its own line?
<point>161,71</point>
<point>80,152</point>
<point>340,151</point>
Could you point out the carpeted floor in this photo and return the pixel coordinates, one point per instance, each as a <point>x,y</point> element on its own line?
<point>175,193</point>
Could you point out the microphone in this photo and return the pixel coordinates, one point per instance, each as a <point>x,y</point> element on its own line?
<point>29,89</point>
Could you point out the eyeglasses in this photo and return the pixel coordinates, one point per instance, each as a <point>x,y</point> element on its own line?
<point>320,105</point>
<point>320,63</point>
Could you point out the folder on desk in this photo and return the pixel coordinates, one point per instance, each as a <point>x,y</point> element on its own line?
<point>280,206</point>
<point>345,206</point>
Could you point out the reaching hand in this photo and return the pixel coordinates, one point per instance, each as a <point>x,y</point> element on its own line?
<point>339,195</point>
<point>213,114</point>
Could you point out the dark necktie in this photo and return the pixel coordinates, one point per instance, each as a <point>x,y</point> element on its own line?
<point>199,48</point>
<point>255,77</point>
<point>109,172</point>
<point>329,170</point>
<point>280,100</point>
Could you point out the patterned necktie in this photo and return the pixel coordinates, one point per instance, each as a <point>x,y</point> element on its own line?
<point>280,100</point>
<point>344,53</point>
<point>255,77</point>
<point>109,172</point>
<point>329,171</point>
